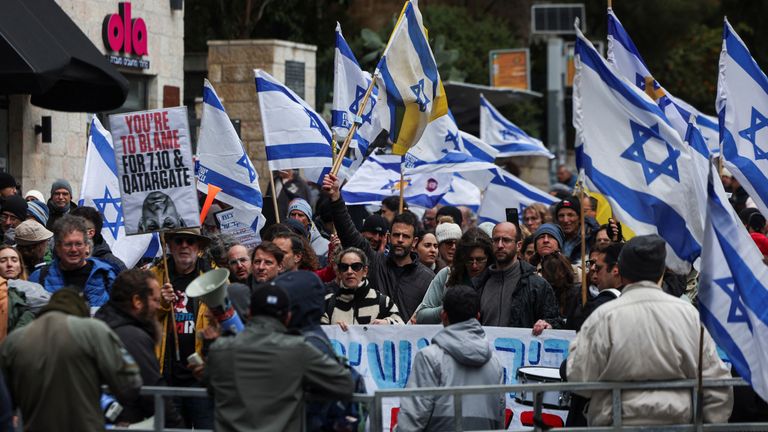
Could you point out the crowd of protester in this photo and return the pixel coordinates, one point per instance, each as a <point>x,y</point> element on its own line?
<point>328,263</point>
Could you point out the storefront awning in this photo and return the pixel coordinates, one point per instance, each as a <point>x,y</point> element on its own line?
<point>464,101</point>
<point>45,54</point>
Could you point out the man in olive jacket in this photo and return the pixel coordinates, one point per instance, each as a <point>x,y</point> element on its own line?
<point>258,377</point>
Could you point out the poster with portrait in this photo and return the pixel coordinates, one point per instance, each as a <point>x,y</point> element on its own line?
<point>155,170</point>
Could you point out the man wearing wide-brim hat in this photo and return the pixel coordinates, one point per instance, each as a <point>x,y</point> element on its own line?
<point>184,265</point>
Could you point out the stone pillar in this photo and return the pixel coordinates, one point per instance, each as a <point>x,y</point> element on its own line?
<point>230,71</point>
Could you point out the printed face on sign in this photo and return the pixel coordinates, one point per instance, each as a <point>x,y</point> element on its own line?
<point>159,213</point>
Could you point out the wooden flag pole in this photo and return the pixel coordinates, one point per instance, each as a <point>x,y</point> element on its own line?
<point>274,196</point>
<point>173,310</point>
<point>402,188</point>
<point>344,147</point>
<point>584,270</point>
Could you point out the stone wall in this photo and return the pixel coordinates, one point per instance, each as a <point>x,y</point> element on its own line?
<point>36,164</point>
<point>230,71</point>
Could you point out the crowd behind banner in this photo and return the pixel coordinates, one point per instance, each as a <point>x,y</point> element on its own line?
<point>428,267</point>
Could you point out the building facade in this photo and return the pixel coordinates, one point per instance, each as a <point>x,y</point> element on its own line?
<point>144,39</point>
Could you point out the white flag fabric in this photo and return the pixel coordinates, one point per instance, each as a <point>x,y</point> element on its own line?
<point>349,86</point>
<point>222,161</point>
<point>733,293</point>
<point>626,58</point>
<point>101,191</point>
<point>742,105</point>
<point>640,163</point>
<point>379,177</point>
<point>463,193</point>
<point>505,136</point>
<point>409,83</point>
<point>295,136</point>
<point>441,149</point>
<point>507,191</point>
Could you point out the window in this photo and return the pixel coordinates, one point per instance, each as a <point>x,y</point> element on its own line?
<point>294,77</point>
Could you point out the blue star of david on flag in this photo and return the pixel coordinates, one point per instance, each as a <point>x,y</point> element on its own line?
<point>421,96</point>
<point>359,95</point>
<point>737,312</point>
<point>758,122</point>
<point>452,138</point>
<point>101,205</point>
<point>636,153</point>
<point>312,120</point>
<point>506,133</point>
<point>246,163</point>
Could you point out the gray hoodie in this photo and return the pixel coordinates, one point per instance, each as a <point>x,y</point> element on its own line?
<point>460,355</point>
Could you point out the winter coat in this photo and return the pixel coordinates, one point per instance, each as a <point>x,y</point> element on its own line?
<point>460,355</point>
<point>104,253</point>
<point>139,340</point>
<point>36,296</point>
<point>359,305</point>
<point>258,378</point>
<point>96,289</point>
<point>647,335</point>
<point>530,300</point>
<point>407,288</point>
<point>428,311</point>
<point>56,366</point>
<point>55,214</point>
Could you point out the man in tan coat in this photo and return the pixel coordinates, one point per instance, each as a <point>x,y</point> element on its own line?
<point>646,335</point>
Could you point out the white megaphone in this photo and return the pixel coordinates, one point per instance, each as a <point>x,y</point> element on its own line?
<point>211,287</point>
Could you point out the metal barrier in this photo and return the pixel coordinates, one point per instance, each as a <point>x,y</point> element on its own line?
<point>376,419</point>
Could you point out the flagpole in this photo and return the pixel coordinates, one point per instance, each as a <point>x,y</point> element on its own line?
<point>334,153</point>
<point>402,187</point>
<point>274,196</point>
<point>173,310</point>
<point>583,244</point>
<point>344,147</point>
<point>699,390</point>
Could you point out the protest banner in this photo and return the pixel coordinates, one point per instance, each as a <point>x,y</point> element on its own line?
<point>383,355</point>
<point>155,170</point>
<point>240,232</point>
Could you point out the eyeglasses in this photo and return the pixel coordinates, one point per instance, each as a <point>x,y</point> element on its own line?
<point>73,245</point>
<point>241,260</point>
<point>503,240</point>
<point>355,266</point>
<point>477,260</point>
<point>178,241</point>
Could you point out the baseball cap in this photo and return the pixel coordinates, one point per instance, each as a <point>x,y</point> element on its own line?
<point>270,299</point>
<point>375,223</point>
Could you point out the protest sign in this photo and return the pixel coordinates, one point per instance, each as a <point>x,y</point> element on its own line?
<point>155,170</point>
<point>240,232</point>
<point>383,355</point>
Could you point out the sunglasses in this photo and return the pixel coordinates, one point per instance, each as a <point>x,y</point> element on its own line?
<point>179,240</point>
<point>355,266</point>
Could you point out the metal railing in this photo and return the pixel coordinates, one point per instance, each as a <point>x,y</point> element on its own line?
<point>616,388</point>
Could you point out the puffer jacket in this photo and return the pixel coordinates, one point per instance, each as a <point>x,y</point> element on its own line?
<point>406,289</point>
<point>530,300</point>
<point>96,289</point>
<point>460,355</point>
<point>647,335</point>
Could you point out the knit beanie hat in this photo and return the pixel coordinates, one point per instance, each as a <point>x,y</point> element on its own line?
<point>552,229</point>
<point>447,231</point>
<point>36,194</point>
<point>16,205</point>
<point>301,205</point>
<point>61,184</point>
<point>38,210</point>
<point>643,258</point>
<point>7,180</point>
<point>571,202</point>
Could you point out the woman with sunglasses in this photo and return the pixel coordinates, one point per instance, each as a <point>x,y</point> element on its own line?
<point>352,299</point>
<point>474,253</point>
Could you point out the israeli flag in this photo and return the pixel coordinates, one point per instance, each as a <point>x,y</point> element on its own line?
<point>626,58</point>
<point>101,190</point>
<point>349,86</point>
<point>441,149</point>
<point>640,163</point>
<point>316,175</point>
<point>222,161</point>
<point>409,84</point>
<point>507,191</point>
<point>463,193</point>
<point>505,136</point>
<point>295,136</point>
<point>733,293</point>
<point>742,105</point>
<point>379,177</point>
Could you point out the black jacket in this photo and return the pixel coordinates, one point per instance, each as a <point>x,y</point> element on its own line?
<point>102,251</point>
<point>55,214</point>
<point>139,340</point>
<point>581,314</point>
<point>531,299</point>
<point>406,286</point>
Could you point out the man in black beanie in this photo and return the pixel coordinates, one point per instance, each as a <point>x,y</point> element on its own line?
<point>646,335</point>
